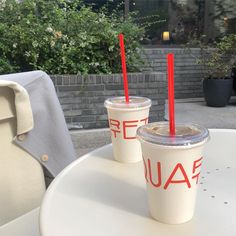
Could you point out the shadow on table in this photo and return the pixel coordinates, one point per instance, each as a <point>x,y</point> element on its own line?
<point>122,196</point>
<point>110,191</point>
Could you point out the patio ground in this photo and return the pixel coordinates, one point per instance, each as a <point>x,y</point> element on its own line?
<point>187,110</point>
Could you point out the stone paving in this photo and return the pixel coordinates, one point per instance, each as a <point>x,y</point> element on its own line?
<point>87,140</point>
<point>196,111</point>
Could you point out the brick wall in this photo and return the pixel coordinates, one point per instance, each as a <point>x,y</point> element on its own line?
<point>82,97</point>
<point>188,74</point>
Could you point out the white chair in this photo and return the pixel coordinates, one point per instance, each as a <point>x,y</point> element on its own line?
<point>25,225</point>
<point>22,183</point>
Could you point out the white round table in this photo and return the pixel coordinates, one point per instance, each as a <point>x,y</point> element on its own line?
<point>96,195</point>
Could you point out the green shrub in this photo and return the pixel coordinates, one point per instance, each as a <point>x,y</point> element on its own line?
<point>219,60</point>
<point>64,37</point>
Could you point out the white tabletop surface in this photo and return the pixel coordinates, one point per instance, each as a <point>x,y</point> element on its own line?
<point>96,195</point>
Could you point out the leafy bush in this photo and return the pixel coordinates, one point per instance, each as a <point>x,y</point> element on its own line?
<point>219,60</point>
<point>64,37</point>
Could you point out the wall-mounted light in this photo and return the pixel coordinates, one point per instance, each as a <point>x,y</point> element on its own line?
<point>166,36</point>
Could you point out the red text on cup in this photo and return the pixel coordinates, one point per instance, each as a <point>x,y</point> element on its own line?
<point>126,128</point>
<point>150,169</point>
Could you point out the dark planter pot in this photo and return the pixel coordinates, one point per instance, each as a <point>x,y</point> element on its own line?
<point>217,92</point>
<point>233,75</point>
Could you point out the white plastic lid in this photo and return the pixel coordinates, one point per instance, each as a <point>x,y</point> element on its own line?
<point>185,134</point>
<point>134,102</point>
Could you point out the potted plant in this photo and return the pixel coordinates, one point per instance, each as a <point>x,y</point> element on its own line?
<point>233,74</point>
<point>218,63</point>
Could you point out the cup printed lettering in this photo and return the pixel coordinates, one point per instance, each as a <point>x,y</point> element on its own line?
<point>127,128</point>
<point>196,164</point>
<point>171,179</point>
<point>129,124</point>
<point>114,126</point>
<point>150,168</point>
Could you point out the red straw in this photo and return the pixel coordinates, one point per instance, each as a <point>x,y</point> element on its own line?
<point>123,62</point>
<point>171,93</point>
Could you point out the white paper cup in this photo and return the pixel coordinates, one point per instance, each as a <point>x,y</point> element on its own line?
<point>124,119</point>
<point>172,168</point>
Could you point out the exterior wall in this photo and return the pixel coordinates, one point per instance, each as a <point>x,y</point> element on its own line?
<point>188,74</point>
<point>82,97</point>
<point>218,15</point>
